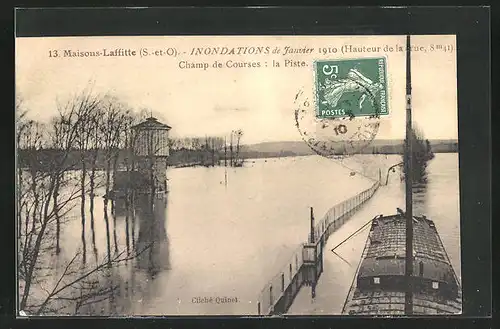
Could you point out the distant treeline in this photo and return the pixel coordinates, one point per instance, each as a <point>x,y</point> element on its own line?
<point>181,157</point>
<point>209,151</point>
<point>177,158</point>
<point>298,148</point>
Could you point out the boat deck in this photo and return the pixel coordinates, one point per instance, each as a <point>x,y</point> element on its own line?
<point>379,284</point>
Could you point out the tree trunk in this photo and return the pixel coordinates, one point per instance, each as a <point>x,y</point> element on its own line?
<point>127,239</point>
<point>213,154</point>
<point>92,227</point>
<point>19,199</point>
<point>108,178</point>
<point>114,232</point>
<point>231,163</point>
<point>106,202</point>
<point>82,206</point>
<point>133,230</point>
<point>36,198</point>
<point>238,149</point>
<point>92,177</point>
<point>36,249</point>
<point>115,169</point>
<point>56,207</point>
<point>108,239</point>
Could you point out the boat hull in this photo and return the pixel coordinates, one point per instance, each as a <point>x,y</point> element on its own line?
<point>379,284</point>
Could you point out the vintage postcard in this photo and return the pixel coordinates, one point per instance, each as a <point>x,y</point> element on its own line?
<point>237,175</point>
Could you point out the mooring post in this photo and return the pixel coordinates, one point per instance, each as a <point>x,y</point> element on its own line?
<point>311,237</point>
<point>315,257</point>
<point>314,273</point>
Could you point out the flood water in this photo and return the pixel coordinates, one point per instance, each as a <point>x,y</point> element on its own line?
<point>225,235</point>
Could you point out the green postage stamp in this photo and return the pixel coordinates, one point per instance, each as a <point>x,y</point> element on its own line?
<point>351,88</point>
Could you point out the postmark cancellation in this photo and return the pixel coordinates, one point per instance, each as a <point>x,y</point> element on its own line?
<point>342,113</point>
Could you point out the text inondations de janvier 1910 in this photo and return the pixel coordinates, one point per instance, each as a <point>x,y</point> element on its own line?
<point>250,57</point>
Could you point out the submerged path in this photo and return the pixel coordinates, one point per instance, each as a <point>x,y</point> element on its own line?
<point>339,268</point>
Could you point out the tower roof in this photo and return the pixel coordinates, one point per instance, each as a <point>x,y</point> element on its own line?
<point>152,123</point>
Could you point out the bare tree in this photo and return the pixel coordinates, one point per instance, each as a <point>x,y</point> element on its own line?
<point>29,141</point>
<point>77,287</point>
<point>47,191</point>
<point>238,133</point>
<point>225,152</point>
<point>187,143</point>
<point>85,107</point>
<point>218,145</point>
<point>110,140</point>
<point>175,144</point>
<point>128,140</point>
<point>45,173</point>
<point>231,156</point>
<point>234,148</point>
<point>115,134</point>
<point>94,123</point>
<point>23,135</point>
<point>109,134</point>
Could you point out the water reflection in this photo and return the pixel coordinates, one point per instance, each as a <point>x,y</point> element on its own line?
<point>121,207</point>
<point>106,221</point>
<point>92,226</point>
<point>420,198</point>
<point>139,228</point>
<point>419,191</point>
<point>152,242</point>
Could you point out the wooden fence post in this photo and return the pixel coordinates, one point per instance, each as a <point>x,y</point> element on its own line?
<point>311,238</point>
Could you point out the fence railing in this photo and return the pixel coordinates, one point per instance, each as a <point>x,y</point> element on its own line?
<point>275,288</point>
<point>283,287</point>
<point>337,215</point>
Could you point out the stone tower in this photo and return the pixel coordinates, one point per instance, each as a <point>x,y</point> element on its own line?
<point>151,151</point>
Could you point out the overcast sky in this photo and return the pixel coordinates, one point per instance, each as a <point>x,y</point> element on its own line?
<point>259,101</point>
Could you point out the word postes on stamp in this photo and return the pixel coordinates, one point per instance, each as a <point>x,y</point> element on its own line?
<point>351,88</point>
